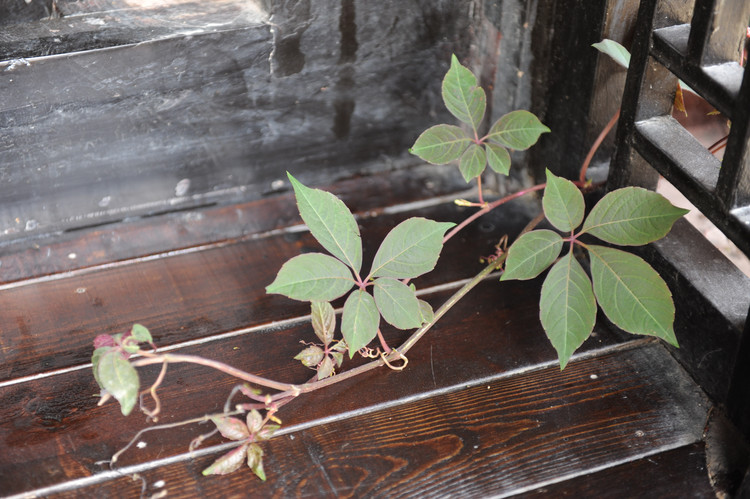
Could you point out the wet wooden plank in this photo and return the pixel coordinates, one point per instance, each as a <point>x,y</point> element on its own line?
<point>50,324</point>
<point>499,436</point>
<point>53,431</point>
<point>72,250</point>
<point>674,474</point>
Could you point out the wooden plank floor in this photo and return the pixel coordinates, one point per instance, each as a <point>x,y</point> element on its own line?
<point>482,409</point>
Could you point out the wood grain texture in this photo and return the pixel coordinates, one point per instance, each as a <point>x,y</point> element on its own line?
<point>198,293</point>
<point>674,474</point>
<point>169,232</point>
<point>53,423</point>
<point>492,438</point>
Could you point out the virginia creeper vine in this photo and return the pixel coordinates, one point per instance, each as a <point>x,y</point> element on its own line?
<point>627,289</point>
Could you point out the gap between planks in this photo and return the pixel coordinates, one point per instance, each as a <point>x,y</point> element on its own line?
<point>292,229</point>
<point>130,470</point>
<point>272,326</point>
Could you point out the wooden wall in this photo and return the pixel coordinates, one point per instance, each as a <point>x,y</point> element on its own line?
<point>118,108</point>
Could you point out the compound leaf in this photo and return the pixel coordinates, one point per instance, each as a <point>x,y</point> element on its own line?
<point>567,307</point>
<point>312,276</point>
<point>359,321</point>
<point>119,378</point>
<point>463,98</point>
<point>472,162</point>
<point>441,144</point>
<point>229,462</point>
<point>397,303</point>
<point>410,249</point>
<point>632,216</point>
<point>632,295</point>
<point>498,158</point>
<point>517,130</point>
<point>330,222</point>
<point>563,203</point>
<point>531,254</point>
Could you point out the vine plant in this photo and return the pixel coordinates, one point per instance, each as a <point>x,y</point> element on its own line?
<point>630,293</point>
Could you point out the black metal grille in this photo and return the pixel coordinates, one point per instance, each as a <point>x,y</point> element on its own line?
<point>703,54</point>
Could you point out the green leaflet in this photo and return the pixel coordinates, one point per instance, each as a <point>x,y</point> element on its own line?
<point>410,249</point>
<point>632,216</point>
<point>567,307</point>
<point>463,98</point>
<point>397,303</point>
<point>312,277</point>
<point>330,222</point>
<point>517,130</point>
<point>498,158</point>
<point>441,144</point>
<point>359,321</point>
<point>632,295</point>
<point>472,162</point>
<point>531,254</point>
<point>140,333</point>
<point>95,358</point>
<point>563,203</point>
<point>255,461</point>
<point>620,54</point>
<point>119,378</point>
<point>426,312</point>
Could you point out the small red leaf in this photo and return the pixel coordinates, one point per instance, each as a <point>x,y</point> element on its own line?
<point>325,368</point>
<point>310,356</point>
<point>103,340</point>
<point>229,462</point>
<point>254,421</point>
<point>231,428</point>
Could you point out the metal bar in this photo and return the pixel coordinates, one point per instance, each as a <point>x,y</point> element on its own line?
<point>718,84</point>
<point>733,187</point>
<point>621,171</point>
<point>700,27</point>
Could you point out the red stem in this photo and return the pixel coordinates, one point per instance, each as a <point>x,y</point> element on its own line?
<point>718,145</point>
<point>479,189</point>
<point>595,146</point>
<point>489,208</point>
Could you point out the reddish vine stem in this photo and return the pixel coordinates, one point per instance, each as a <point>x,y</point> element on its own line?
<point>595,146</point>
<point>718,145</point>
<point>490,207</point>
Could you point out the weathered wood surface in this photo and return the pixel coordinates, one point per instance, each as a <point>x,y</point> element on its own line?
<point>181,229</point>
<point>195,293</point>
<point>408,434</point>
<point>652,476</point>
<point>114,114</point>
<point>502,435</point>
